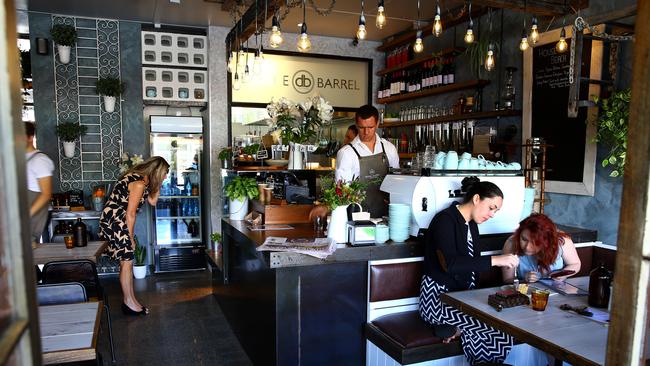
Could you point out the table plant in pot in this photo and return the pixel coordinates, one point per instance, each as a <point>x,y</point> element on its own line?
<point>64,36</point>
<point>69,132</point>
<point>239,191</point>
<point>338,196</point>
<point>139,260</point>
<point>225,155</point>
<point>109,88</point>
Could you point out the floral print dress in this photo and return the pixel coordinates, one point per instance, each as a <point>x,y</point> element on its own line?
<point>112,223</point>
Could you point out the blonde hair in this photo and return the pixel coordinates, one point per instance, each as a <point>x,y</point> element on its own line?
<point>155,168</point>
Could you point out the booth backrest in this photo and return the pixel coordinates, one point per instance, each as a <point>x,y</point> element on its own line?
<point>393,285</point>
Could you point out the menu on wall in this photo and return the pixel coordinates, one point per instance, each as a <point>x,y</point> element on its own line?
<point>343,82</point>
<point>550,97</point>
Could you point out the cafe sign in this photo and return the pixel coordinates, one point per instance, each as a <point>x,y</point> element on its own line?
<point>342,82</point>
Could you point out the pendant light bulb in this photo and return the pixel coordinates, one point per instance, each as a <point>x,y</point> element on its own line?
<point>523,45</point>
<point>242,58</point>
<point>275,40</point>
<point>534,33</point>
<point>469,34</point>
<point>561,45</point>
<point>230,63</point>
<point>236,84</point>
<point>380,21</point>
<point>257,63</point>
<point>437,23</point>
<point>361,32</point>
<point>418,47</point>
<point>247,74</point>
<point>304,43</point>
<point>489,61</point>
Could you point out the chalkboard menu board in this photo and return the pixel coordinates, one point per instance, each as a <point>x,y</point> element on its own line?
<point>550,96</point>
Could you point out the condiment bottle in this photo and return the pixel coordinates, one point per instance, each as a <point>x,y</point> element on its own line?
<point>80,234</point>
<point>599,281</point>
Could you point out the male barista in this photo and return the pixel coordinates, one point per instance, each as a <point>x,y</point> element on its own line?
<point>368,157</point>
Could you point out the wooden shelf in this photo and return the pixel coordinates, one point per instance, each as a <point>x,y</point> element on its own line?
<point>456,117</point>
<point>421,60</point>
<point>433,91</point>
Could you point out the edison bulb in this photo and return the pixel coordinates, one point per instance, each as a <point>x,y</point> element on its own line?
<point>275,40</point>
<point>489,61</point>
<point>534,34</point>
<point>469,36</point>
<point>230,64</point>
<point>418,47</point>
<point>561,45</point>
<point>242,58</point>
<point>523,45</point>
<point>380,21</point>
<point>361,32</point>
<point>247,75</point>
<point>304,43</point>
<point>236,84</point>
<point>257,64</point>
<point>437,26</point>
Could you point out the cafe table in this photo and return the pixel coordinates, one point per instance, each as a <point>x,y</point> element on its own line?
<point>49,252</point>
<point>565,335</point>
<point>69,332</point>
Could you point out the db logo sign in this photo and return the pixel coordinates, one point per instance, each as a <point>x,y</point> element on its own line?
<point>303,81</point>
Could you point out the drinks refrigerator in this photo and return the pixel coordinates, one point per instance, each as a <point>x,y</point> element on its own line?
<point>178,219</point>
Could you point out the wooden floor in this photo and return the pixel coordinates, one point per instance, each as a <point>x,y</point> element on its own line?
<point>185,326</point>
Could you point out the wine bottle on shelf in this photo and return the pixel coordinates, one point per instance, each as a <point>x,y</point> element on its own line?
<point>402,88</point>
<point>439,75</point>
<point>451,76</point>
<point>445,80</point>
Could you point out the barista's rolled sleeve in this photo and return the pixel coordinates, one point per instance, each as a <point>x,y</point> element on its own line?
<point>347,162</point>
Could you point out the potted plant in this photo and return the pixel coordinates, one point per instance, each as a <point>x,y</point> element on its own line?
<point>225,155</point>
<point>140,257</point>
<point>110,88</point>
<point>239,191</point>
<point>216,240</point>
<point>64,36</point>
<point>69,132</point>
<point>612,129</point>
<point>338,196</point>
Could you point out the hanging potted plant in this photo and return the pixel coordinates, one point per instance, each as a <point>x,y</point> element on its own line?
<point>239,191</point>
<point>139,257</point>
<point>64,36</point>
<point>69,132</point>
<point>110,88</point>
<point>611,129</point>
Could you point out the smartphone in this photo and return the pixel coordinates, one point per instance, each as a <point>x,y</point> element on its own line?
<point>562,273</point>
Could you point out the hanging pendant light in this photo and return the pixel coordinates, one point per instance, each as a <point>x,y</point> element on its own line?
<point>561,45</point>
<point>380,21</point>
<point>236,82</point>
<point>469,34</point>
<point>275,40</point>
<point>418,47</point>
<point>523,45</point>
<point>257,62</point>
<point>437,23</point>
<point>361,31</point>
<point>534,33</point>
<point>489,61</point>
<point>304,43</point>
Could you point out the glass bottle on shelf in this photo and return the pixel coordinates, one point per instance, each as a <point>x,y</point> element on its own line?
<point>509,92</point>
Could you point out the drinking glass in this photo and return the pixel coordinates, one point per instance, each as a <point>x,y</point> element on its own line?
<point>539,299</point>
<point>69,242</point>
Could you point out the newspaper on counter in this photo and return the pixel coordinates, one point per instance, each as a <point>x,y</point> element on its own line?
<point>318,247</point>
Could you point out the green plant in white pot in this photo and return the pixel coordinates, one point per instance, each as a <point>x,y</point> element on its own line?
<point>69,132</point>
<point>239,191</point>
<point>110,88</point>
<point>65,36</point>
<point>140,260</point>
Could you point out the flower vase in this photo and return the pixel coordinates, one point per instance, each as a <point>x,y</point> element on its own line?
<point>336,228</point>
<point>295,156</point>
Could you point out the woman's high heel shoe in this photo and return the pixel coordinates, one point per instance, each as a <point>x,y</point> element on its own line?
<point>128,311</point>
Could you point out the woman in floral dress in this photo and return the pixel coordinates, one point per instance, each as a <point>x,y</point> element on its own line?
<point>117,222</point>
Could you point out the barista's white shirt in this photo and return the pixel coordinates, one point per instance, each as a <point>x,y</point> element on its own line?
<point>347,162</point>
<point>39,166</point>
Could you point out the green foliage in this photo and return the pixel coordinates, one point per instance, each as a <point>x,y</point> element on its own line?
<point>241,187</point>
<point>139,253</point>
<point>476,54</point>
<point>299,130</point>
<point>70,131</point>
<point>225,153</point>
<point>341,193</point>
<point>64,35</point>
<point>250,149</point>
<point>215,237</point>
<point>612,129</point>
<point>110,86</point>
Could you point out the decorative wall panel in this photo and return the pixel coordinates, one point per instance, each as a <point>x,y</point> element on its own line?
<point>95,55</point>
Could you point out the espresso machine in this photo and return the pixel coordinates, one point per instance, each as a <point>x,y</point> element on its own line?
<point>430,195</point>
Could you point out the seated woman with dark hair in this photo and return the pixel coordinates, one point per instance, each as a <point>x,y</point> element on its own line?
<point>543,251</point>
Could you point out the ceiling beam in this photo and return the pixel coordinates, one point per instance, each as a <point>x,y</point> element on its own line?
<point>537,7</point>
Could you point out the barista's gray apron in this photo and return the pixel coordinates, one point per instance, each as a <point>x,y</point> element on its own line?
<point>372,170</point>
<point>38,221</point>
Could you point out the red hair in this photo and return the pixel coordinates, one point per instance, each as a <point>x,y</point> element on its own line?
<point>543,234</point>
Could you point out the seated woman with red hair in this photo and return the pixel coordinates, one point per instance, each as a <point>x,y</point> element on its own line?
<point>543,251</point>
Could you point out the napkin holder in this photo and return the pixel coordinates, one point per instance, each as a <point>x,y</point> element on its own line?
<point>361,233</point>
